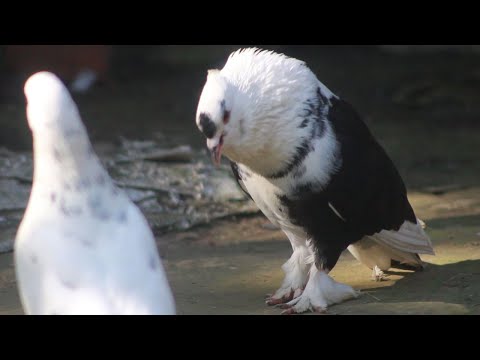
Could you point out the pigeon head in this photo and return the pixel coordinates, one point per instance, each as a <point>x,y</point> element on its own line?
<point>49,104</point>
<point>214,113</point>
<point>61,143</point>
<point>254,109</point>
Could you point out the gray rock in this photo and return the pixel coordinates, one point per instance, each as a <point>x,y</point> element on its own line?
<point>177,194</point>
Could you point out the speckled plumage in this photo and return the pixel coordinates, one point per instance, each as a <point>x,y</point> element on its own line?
<point>82,247</point>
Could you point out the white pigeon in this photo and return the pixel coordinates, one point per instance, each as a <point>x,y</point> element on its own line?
<point>314,169</point>
<point>82,247</point>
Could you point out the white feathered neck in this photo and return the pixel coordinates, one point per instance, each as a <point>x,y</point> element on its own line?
<point>62,149</point>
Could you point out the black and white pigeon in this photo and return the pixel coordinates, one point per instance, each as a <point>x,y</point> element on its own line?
<point>314,169</point>
<point>82,247</point>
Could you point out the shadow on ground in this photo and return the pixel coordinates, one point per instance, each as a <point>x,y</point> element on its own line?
<point>439,289</point>
<point>228,269</point>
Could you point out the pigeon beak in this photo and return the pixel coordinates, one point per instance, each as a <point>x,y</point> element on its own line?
<point>215,146</point>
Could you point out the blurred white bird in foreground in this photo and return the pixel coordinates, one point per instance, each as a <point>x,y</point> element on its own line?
<point>83,247</point>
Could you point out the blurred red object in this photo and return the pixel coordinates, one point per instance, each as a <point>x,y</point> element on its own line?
<point>66,61</point>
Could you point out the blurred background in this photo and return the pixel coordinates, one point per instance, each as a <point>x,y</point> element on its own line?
<point>422,103</point>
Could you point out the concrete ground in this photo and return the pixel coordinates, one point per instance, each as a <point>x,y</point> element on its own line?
<point>227,268</point>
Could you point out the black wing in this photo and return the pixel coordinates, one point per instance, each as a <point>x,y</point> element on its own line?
<point>367,190</point>
<point>365,196</point>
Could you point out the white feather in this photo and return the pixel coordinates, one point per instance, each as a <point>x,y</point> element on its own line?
<point>410,238</point>
<point>372,254</point>
<point>83,247</point>
<point>403,245</point>
<point>322,291</point>
<point>336,211</point>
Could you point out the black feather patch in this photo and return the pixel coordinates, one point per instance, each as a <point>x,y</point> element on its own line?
<point>367,190</point>
<point>207,126</point>
<point>313,115</point>
<point>301,153</point>
<point>239,177</point>
<point>304,123</point>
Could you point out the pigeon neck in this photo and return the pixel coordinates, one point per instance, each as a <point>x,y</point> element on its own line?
<point>58,159</point>
<point>268,143</point>
<point>266,155</point>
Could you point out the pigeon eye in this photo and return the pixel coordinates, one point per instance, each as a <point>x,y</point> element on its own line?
<point>226,116</point>
<point>226,113</point>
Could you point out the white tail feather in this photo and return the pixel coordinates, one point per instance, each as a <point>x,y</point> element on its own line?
<point>374,254</point>
<point>410,238</point>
